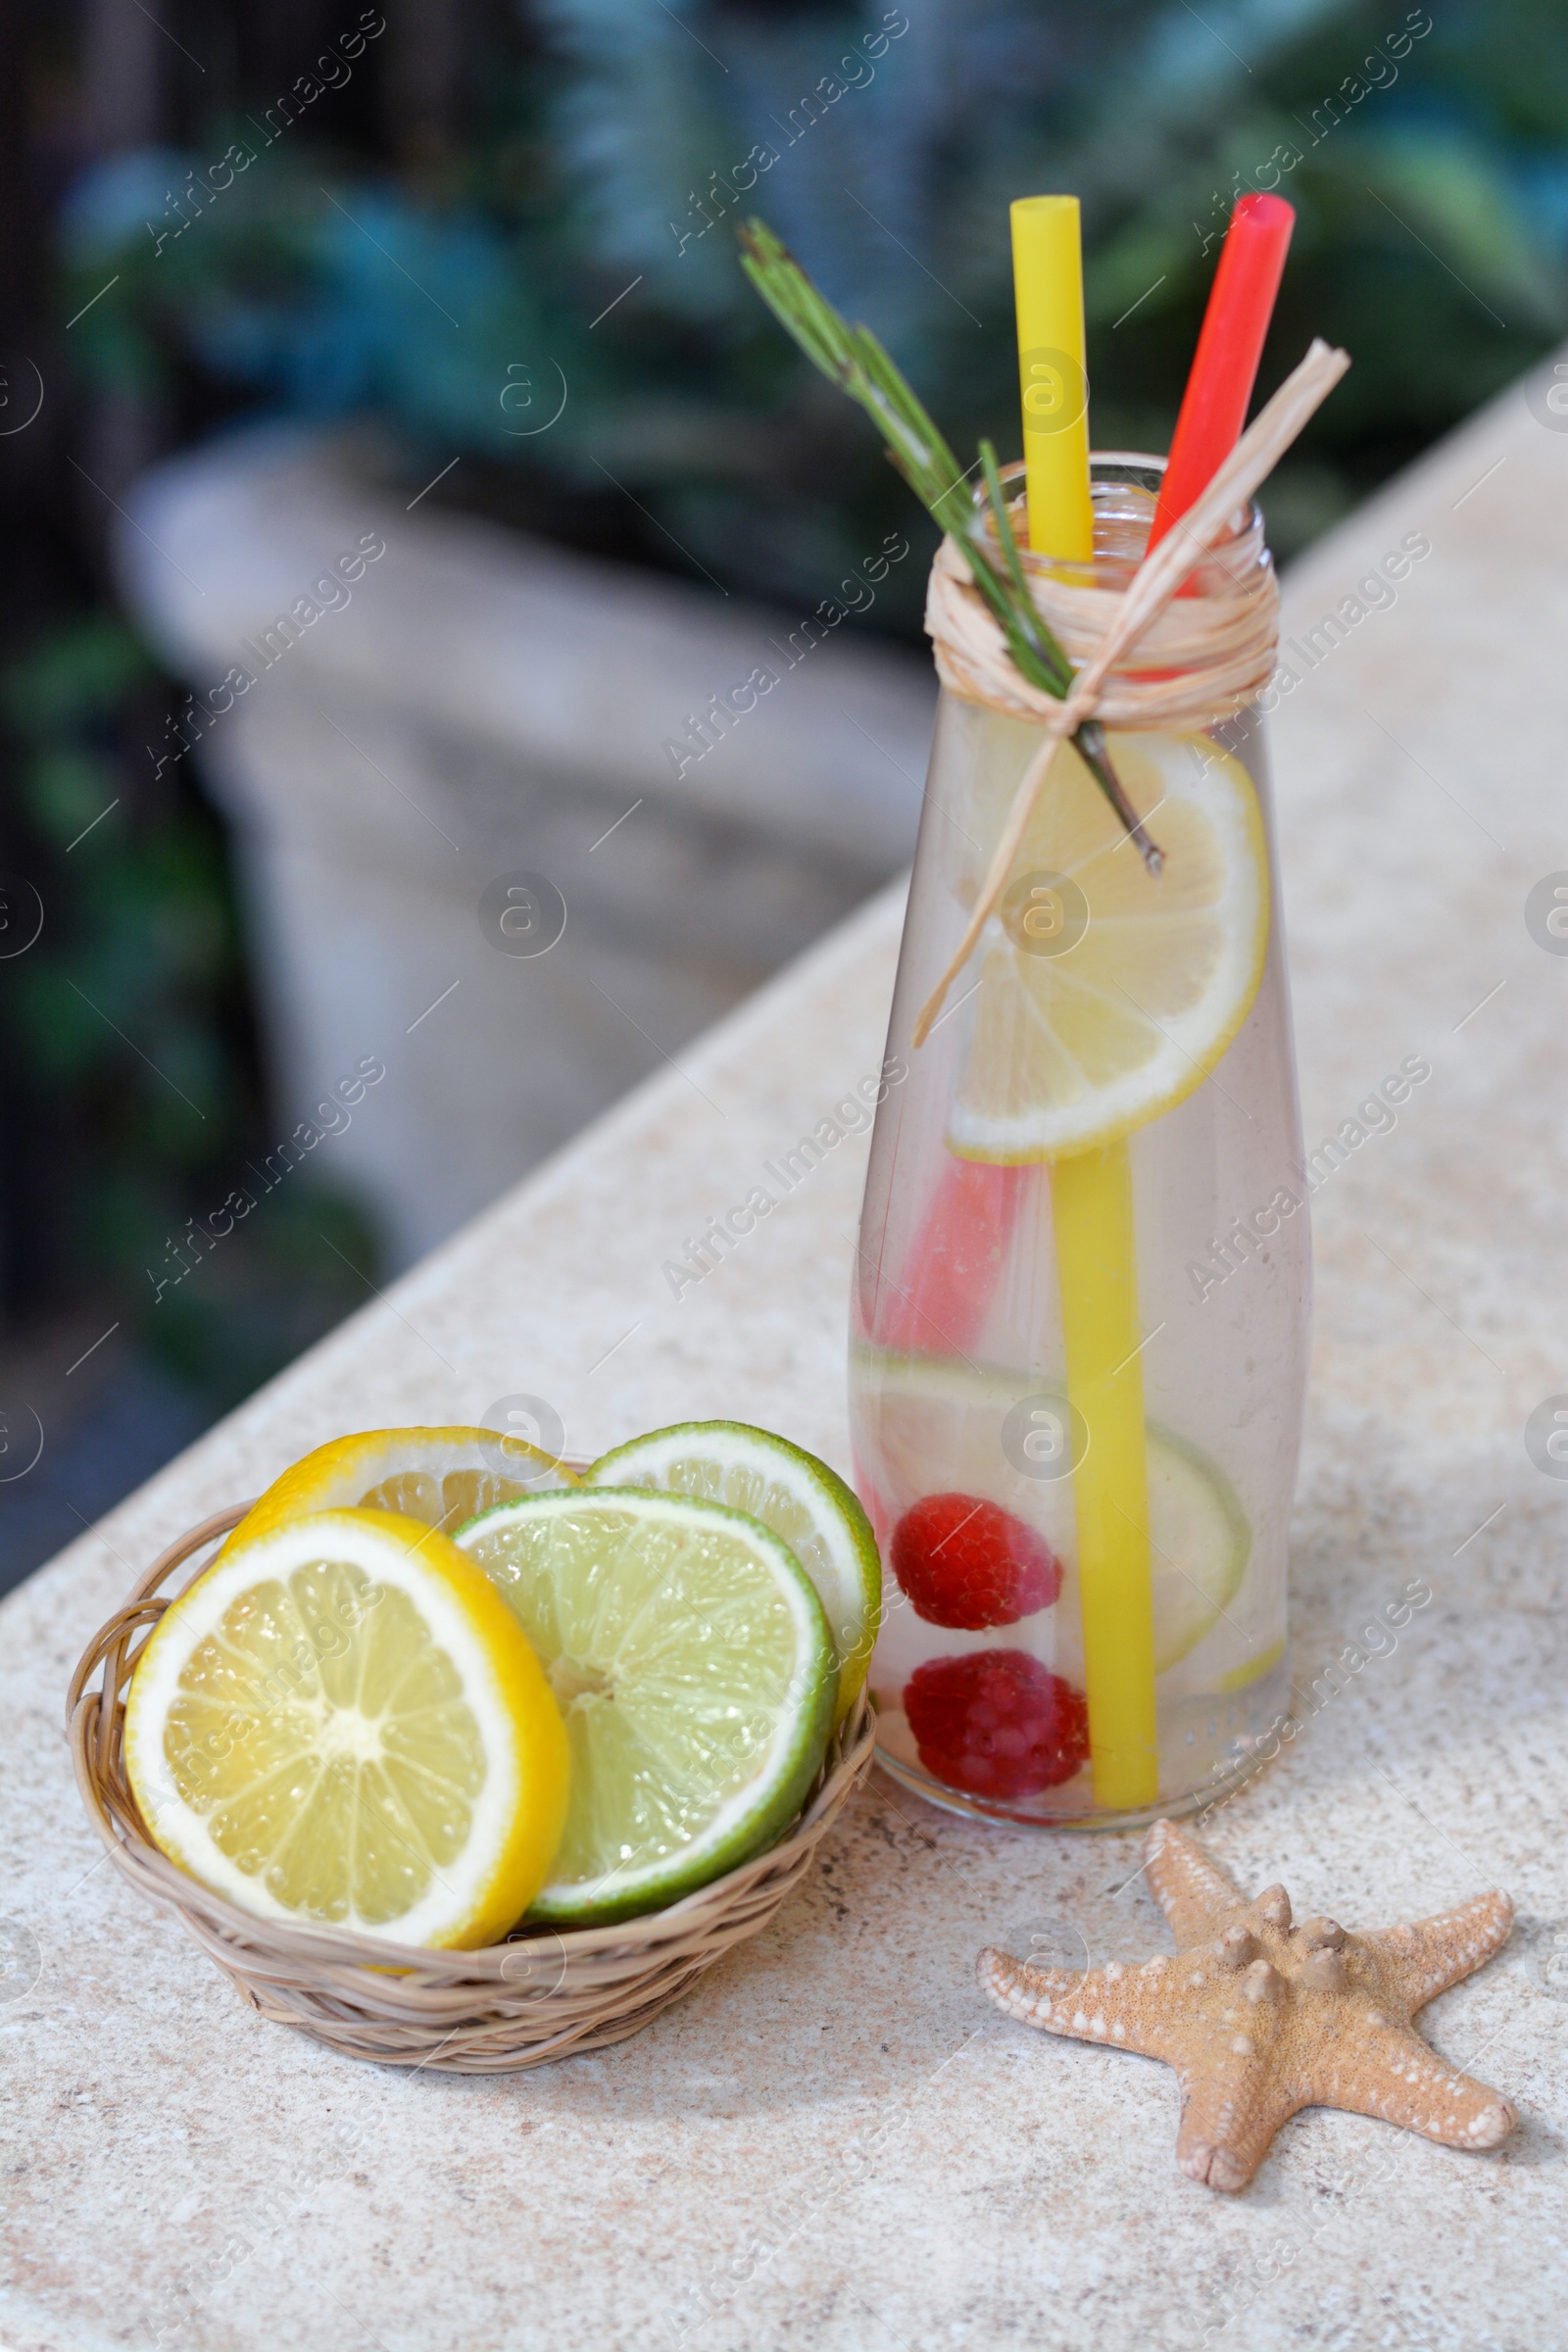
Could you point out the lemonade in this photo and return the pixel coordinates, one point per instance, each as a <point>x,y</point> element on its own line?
<point>1109,1099</point>
<point>1083,1256</point>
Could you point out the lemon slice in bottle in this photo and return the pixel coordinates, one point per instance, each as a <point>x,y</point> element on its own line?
<point>791,1491</point>
<point>342,1724</point>
<point>442,1477</point>
<point>694,1667</point>
<point>1107,994</point>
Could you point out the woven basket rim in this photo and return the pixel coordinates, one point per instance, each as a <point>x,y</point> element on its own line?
<point>256,1948</point>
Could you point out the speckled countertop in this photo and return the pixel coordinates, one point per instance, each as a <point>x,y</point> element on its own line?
<point>834,2144</point>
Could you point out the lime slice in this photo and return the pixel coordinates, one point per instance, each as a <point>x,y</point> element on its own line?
<point>1251,1669</point>
<point>1198,1540</point>
<point>691,1658</point>
<point>342,1724</point>
<point>791,1491</point>
<point>1107,994</point>
<point>926,1426</point>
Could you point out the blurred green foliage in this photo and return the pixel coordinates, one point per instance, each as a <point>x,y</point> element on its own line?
<point>580,240</point>
<point>1427,157</point>
<point>134,1094</point>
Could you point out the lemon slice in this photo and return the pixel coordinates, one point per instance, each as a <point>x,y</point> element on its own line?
<point>697,1675</point>
<point>342,1724</point>
<point>439,1476</point>
<point>1106,995</point>
<point>791,1491</point>
<point>927,1427</point>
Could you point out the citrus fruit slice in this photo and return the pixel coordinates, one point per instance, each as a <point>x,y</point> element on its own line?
<point>791,1491</point>
<point>695,1669</point>
<point>1200,1541</point>
<point>1251,1669</point>
<point>928,1427</point>
<point>440,1476</point>
<point>340,1723</point>
<point>1107,994</point>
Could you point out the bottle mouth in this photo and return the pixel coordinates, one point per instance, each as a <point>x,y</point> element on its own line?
<point>1124,490</point>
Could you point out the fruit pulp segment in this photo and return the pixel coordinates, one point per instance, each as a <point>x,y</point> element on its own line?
<point>447,1501</point>
<point>793,1493</point>
<point>673,1659</point>
<point>1079,1037</point>
<point>321,1734</point>
<point>440,1477</point>
<point>747,1487</point>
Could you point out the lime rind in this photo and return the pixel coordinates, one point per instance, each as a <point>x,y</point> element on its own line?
<point>1251,1670</point>
<point>796,1494</point>
<point>1191,1607</point>
<point>696,1670</point>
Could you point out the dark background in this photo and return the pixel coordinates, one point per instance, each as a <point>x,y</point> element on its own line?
<point>532,171</point>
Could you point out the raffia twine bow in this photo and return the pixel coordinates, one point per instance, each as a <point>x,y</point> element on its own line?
<point>1217,651</point>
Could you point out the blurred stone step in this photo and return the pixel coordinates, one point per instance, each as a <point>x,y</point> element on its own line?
<point>423,723</point>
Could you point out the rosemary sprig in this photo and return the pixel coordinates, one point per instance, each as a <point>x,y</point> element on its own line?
<point>1090,737</point>
<point>853,359</point>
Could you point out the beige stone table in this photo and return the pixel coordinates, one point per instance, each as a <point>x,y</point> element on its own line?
<point>834,2144</point>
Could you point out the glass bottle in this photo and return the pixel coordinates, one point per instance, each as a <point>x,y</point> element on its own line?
<point>1078,1376</point>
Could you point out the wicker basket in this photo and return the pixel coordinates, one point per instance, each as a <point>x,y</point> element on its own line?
<point>541,1995</point>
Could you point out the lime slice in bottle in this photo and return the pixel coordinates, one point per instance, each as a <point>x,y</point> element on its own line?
<point>929,1426</point>
<point>694,1666</point>
<point>1199,1541</point>
<point>791,1491</point>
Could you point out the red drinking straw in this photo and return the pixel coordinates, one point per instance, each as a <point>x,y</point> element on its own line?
<point>1230,344</point>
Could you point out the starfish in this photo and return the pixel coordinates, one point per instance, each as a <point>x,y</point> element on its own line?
<point>1260,2019</point>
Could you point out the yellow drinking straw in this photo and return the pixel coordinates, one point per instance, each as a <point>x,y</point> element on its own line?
<point>1092,1193</point>
<point>1097,1269</point>
<point>1048,282</point>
